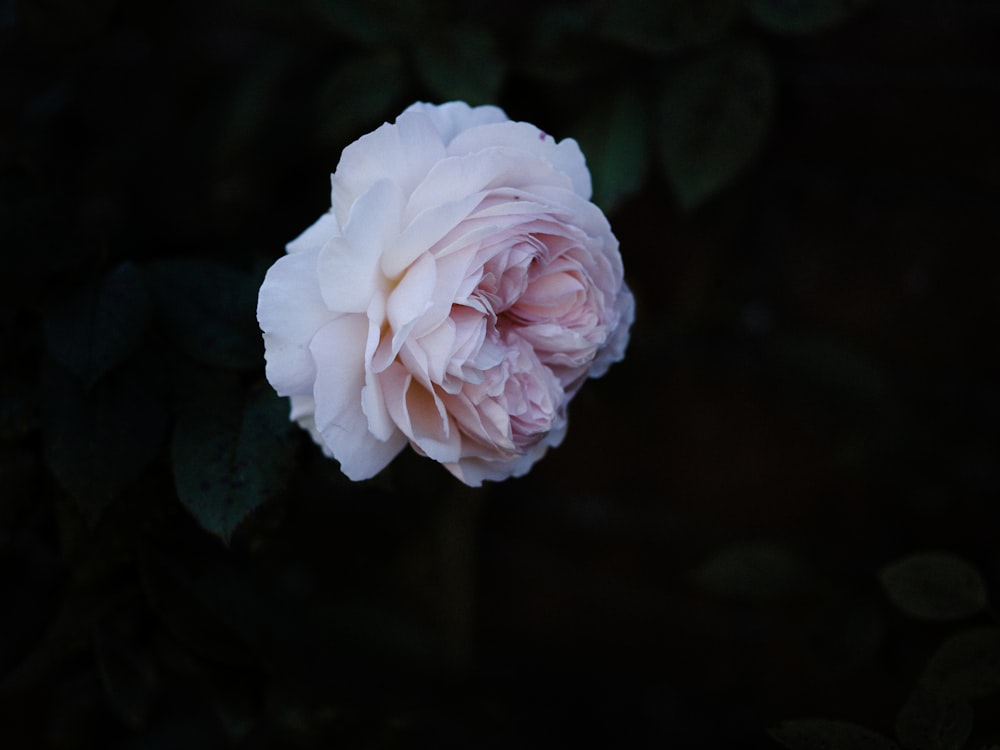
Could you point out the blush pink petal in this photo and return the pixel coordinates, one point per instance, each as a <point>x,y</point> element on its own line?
<point>289,310</point>
<point>452,118</point>
<point>565,156</point>
<point>338,348</point>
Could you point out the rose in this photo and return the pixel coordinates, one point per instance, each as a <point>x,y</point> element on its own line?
<point>455,296</point>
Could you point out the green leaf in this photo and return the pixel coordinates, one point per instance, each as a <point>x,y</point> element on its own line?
<point>802,16</point>
<point>97,328</point>
<point>461,63</point>
<point>558,49</point>
<point>98,441</point>
<point>230,456</point>
<point>377,22</point>
<point>358,95</point>
<point>668,26</point>
<point>209,310</point>
<point>967,665</point>
<point>931,721</point>
<point>935,586</point>
<point>826,734</point>
<point>754,572</point>
<point>615,141</point>
<point>714,112</point>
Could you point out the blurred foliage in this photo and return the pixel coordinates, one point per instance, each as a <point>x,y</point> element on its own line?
<point>774,523</point>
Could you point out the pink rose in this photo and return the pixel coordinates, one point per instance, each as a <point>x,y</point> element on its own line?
<point>455,296</point>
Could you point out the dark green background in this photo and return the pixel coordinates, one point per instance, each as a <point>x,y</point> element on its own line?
<point>807,196</point>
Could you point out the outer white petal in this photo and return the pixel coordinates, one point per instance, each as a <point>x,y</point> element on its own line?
<point>402,153</point>
<point>349,266</point>
<point>565,155</point>
<point>339,351</point>
<point>614,348</point>
<point>290,310</point>
<point>451,118</point>
<point>455,178</point>
<point>315,236</point>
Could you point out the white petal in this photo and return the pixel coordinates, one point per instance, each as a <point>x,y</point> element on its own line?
<point>315,236</point>
<point>339,351</point>
<point>290,310</point>
<point>349,272</point>
<point>411,298</point>
<point>402,152</point>
<point>565,155</point>
<point>451,118</point>
<point>457,177</point>
<point>614,348</point>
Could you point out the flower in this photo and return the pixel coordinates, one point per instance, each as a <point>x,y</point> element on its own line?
<point>456,295</point>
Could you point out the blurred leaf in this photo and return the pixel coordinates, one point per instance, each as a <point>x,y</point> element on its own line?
<point>99,326</point>
<point>461,63</point>
<point>374,22</point>
<point>668,26</point>
<point>714,112</point>
<point>558,50</point>
<point>209,310</point>
<point>357,96</point>
<point>826,734</point>
<point>127,672</point>
<point>935,586</point>
<point>615,140</point>
<point>230,456</point>
<point>931,721</point>
<point>967,665</point>
<point>754,572</point>
<point>250,105</point>
<point>802,16</point>
<point>98,441</point>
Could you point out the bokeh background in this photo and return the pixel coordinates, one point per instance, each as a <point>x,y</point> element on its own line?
<point>775,522</point>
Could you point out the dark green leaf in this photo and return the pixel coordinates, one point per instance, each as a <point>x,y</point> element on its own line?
<point>615,140</point>
<point>209,310</point>
<point>98,441</point>
<point>935,586</point>
<point>802,16</point>
<point>714,114</point>
<point>358,96</point>
<point>377,22</point>
<point>462,64</point>
<point>230,456</point>
<point>967,665</point>
<point>754,572</point>
<point>558,48</point>
<point>931,721</point>
<point>101,325</point>
<point>127,672</point>
<point>669,26</point>
<point>826,734</point>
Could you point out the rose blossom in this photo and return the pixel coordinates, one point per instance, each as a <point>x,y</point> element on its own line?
<point>455,296</point>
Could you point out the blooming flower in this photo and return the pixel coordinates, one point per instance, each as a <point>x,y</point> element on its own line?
<point>456,295</point>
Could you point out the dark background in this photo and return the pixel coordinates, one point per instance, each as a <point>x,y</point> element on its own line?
<point>806,195</point>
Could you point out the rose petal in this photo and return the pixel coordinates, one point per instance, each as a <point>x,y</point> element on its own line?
<point>452,118</point>
<point>339,350</point>
<point>565,155</point>
<point>289,309</point>
<point>315,236</point>
<point>401,153</point>
<point>349,273</point>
